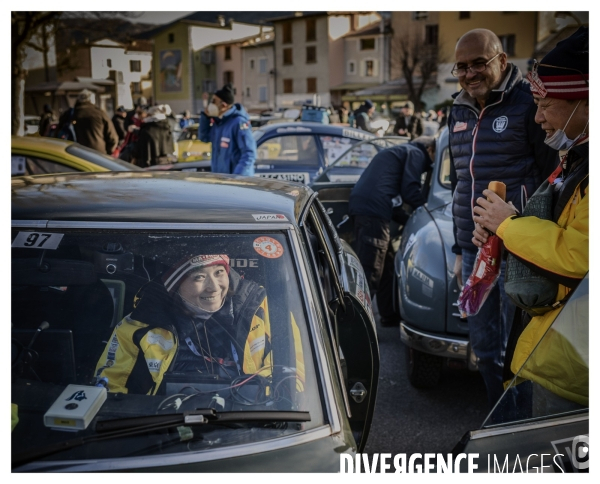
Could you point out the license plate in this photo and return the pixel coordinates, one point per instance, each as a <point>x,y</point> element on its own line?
<point>292,177</point>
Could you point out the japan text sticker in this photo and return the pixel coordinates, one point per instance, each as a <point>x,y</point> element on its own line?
<point>268,247</point>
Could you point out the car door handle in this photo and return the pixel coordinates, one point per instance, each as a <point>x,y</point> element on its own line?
<point>329,211</point>
<point>344,220</point>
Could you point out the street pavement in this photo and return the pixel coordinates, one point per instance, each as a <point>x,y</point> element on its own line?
<point>408,420</point>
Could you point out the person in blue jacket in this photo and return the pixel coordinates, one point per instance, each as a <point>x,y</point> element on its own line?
<point>226,126</point>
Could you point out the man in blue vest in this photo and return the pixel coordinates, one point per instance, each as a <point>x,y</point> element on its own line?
<point>226,126</point>
<point>493,137</point>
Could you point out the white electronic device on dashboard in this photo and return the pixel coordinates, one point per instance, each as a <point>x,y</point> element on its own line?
<point>75,408</point>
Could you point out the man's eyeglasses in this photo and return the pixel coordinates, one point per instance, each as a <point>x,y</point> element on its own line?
<point>475,68</point>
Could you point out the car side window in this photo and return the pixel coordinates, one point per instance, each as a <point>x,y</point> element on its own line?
<point>288,150</point>
<point>445,169</point>
<point>360,156</point>
<point>40,166</point>
<point>334,147</point>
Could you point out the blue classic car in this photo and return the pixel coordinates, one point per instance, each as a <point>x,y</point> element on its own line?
<point>293,151</point>
<point>281,377</point>
<point>427,290</point>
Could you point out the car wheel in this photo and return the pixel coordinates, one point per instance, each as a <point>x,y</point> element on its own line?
<point>424,370</point>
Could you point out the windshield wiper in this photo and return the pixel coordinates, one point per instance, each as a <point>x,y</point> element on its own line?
<point>124,427</point>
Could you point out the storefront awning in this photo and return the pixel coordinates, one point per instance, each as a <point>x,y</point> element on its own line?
<point>65,87</point>
<point>395,90</point>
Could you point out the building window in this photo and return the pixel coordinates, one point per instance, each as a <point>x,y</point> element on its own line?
<point>508,43</point>
<point>209,85</point>
<point>311,55</point>
<point>311,29</point>
<point>251,63</point>
<point>288,86</point>
<point>287,57</point>
<point>228,77</point>
<point>311,85</point>
<point>367,44</point>
<point>108,63</point>
<point>369,68</point>
<point>420,15</point>
<point>464,15</point>
<point>431,34</point>
<point>247,92</point>
<point>171,38</point>
<point>262,94</point>
<point>136,88</point>
<point>351,67</point>
<point>135,66</point>
<point>287,32</point>
<point>262,66</point>
<point>227,52</point>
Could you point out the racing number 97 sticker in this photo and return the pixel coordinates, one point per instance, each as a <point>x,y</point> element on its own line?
<point>268,247</point>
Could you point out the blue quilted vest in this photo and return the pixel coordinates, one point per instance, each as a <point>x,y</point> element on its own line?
<point>491,144</point>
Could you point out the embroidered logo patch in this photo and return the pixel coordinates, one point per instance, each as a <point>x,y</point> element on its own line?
<point>500,124</point>
<point>460,126</point>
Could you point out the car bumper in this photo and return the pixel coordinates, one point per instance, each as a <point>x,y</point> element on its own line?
<point>434,344</point>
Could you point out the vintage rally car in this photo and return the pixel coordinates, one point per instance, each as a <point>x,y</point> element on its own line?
<point>41,155</point>
<point>190,148</point>
<point>549,439</point>
<point>426,288</point>
<point>91,251</point>
<point>292,151</point>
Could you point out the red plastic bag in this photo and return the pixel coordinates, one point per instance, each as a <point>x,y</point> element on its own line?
<point>486,271</point>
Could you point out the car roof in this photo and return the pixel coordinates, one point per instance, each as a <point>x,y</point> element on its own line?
<point>39,142</point>
<point>304,127</point>
<point>155,197</point>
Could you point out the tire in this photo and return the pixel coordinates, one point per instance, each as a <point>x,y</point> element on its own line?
<point>423,370</point>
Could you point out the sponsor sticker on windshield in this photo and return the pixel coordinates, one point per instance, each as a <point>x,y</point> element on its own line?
<point>270,217</point>
<point>37,240</point>
<point>268,247</point>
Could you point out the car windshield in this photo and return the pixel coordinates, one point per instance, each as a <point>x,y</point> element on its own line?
<point>169,322</point>
<point>105,161</point>
<point>190,133</point>
<point>560,385</point>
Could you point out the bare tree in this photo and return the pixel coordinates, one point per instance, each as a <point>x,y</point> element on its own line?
<point>25,26</point>
<point>417,61</point>
<point>31,30</point>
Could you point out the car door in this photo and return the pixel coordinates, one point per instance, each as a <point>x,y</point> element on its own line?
<point>550,437</point>
<point>350,322</point>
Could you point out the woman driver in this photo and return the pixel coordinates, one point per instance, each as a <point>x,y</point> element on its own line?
<point>203,318</point>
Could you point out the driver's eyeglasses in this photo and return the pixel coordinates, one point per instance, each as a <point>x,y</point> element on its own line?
<point>536,66</point>
<point>475,68</point>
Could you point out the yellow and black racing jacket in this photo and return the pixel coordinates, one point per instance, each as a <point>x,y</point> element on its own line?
<point>145,345</point>
<point>559,249</point>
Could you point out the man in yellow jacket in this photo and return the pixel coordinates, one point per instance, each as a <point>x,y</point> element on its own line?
<point>559,248</point>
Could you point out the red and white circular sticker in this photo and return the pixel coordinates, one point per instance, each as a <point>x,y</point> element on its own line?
<point>268,247</point>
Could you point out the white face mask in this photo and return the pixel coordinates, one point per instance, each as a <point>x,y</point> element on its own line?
<point>212,110</point>
<point>559,140</point>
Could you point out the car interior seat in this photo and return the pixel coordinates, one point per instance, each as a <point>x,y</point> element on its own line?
<point>78,308</point>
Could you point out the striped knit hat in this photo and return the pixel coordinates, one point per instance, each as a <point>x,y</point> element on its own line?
<point>564,72</point>
<point>173,276</point>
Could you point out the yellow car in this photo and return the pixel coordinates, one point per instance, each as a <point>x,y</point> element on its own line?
<point>38,155</point>
<point>190,148</point>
